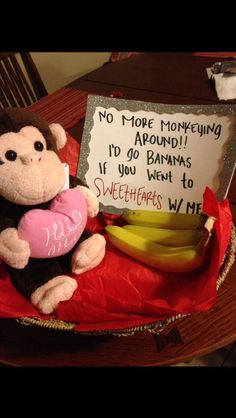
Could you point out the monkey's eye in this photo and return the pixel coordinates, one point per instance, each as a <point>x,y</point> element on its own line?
<point>11,155</point>
<point>38,146</point>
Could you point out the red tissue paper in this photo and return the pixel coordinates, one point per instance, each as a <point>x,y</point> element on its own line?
<point>122,292</point>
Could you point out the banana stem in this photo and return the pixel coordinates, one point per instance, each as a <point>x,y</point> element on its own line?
<point>208,228</point>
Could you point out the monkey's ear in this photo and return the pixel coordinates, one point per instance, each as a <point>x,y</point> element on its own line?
<point>59,134</point>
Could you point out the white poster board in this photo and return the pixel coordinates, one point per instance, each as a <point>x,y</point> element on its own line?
<point>141,155</point>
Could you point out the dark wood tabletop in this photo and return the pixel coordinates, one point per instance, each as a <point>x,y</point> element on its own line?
<point>176,78</point>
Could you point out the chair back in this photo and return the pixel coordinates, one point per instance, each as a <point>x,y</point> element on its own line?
<point>20,81</point>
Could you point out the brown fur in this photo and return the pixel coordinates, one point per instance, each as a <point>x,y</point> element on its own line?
<point>14,119</point>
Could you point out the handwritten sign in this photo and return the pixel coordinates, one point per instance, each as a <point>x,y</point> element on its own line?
<point>141,155</point>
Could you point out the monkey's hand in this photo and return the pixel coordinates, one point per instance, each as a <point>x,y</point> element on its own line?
<point>92,201</point>
<point>13,250</point>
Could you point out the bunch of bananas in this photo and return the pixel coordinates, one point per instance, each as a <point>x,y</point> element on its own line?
<point>173,242</point>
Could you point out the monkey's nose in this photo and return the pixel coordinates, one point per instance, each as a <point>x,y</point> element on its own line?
<point>31,158</point>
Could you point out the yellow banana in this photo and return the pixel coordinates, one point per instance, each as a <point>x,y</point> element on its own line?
<point>171,237</point>
<point>170,259</point>
<point>171,220</point>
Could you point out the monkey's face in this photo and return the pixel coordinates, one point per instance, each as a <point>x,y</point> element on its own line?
<point>29,173</point>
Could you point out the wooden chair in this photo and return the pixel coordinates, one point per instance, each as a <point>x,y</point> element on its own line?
<point>20,83</point>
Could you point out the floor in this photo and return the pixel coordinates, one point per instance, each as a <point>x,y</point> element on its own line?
<point>224,357</point>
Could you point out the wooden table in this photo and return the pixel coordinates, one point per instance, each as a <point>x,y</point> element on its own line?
<point>178,78</point>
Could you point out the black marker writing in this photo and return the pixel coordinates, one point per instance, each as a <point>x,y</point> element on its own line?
<point>143,139</point>
<point>172,160</point>
<point>137,122</point>
<point>159,175</point>
<point>188,127</point>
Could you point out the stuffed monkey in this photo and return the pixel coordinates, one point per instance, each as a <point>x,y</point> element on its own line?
<point>34,212</point>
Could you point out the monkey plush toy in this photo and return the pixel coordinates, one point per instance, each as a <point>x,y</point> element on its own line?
<point>43,234</point>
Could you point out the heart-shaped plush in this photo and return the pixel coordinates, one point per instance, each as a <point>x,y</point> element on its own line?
<point>54,231</point>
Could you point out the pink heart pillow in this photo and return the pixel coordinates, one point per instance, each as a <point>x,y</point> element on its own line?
<point>54,231</point>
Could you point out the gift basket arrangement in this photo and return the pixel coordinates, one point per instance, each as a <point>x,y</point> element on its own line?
<point>67,266</point>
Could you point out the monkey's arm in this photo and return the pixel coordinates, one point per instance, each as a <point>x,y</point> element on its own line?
<point>92,201</point>
<point>13,250</point>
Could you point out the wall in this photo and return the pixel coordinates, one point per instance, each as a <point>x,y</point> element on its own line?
<point>60,68</point>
